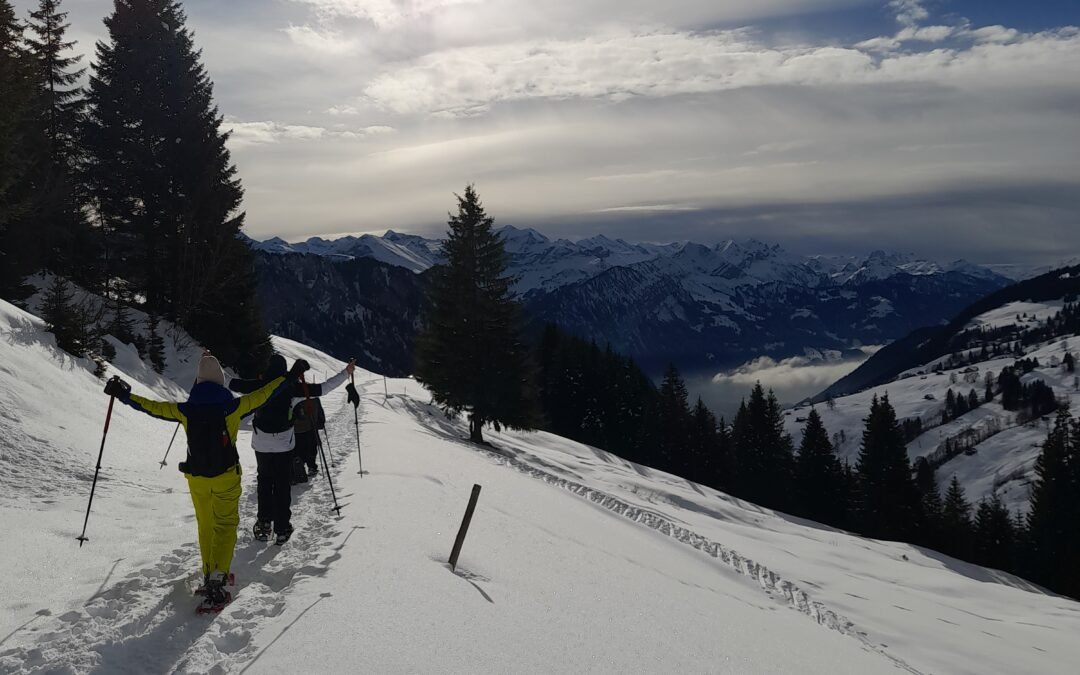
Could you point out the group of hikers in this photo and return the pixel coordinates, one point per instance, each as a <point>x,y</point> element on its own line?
<point>287,421</point>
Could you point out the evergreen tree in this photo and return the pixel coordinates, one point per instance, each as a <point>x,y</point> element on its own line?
<point>723,477</point>
<point>163,185</point>
<point>1053,517</point>
<point>956,522</point>
<point>470,353</point>
<point>121,326</point>
<point>65,318</point>
<point>818,481</point>
<point>932,508</point>
<point>704,445</point>
<point>994,535</point>
<point>19,247</point>
<point>888,506</point>
<point>155,345</point>
<point>62,102</point>
<point>763,451</point>
<point>1069,362</point>
<point>59,106</point>
<point>674,423</point>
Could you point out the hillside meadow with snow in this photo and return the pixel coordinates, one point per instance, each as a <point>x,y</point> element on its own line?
<point>1003,460</point>
<point>576,560</point>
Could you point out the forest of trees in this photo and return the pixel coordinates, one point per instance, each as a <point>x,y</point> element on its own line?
<point>124,187</point>
<point>596,396</point>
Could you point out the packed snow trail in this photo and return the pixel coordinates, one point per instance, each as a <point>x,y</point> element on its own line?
<point>149,617</point>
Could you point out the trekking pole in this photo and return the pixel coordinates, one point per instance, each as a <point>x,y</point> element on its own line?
<point>108,417</point>
<point>178,425</point>
<point>329,448</point>
<point>310,409</point>
<point>173,439</point>
<point>354,398</point>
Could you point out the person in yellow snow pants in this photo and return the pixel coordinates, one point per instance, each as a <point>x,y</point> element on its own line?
<point>211,419</point>
<point>217,511</point>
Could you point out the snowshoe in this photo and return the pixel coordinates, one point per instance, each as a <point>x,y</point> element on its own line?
<point>283,537</point>
<point>201,590</point>
<point>215,597</point>
<point>261,530</point>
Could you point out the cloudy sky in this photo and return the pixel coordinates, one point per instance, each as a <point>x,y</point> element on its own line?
<point>942,127</point>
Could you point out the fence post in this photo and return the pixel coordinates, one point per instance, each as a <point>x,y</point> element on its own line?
<point>464,527</point>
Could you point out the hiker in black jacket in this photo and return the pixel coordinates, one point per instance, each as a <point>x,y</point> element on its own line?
<point>307,427</point>
<point>274,441</point>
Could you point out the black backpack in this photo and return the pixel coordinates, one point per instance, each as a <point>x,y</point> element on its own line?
<point>300,416</point>
<point>275,416</point>
<point>210,449</point>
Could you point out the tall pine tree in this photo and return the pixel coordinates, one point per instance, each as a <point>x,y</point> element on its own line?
<point>163,184</point>
<point>819,480</point>
<point>59,107</point>
<point>1053,524</point>
<point>763,451</point>
<point>19,247</point>
<point>674,422</point>
<point>470,353</point>
<point>995,539</point>
<point>956,526</point>
<point>704,446</point>
<point>888,503</point>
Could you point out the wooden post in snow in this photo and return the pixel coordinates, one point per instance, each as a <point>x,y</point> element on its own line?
<point>464,527</point>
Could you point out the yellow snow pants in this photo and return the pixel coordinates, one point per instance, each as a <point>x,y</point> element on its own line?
<point>217,511</point>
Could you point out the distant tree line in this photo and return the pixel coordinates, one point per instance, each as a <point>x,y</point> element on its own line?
<point>125,188</point>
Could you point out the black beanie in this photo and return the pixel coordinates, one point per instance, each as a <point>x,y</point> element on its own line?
<point>277,367</point>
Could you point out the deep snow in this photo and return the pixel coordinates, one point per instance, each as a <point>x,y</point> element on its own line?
<point>576,559</point>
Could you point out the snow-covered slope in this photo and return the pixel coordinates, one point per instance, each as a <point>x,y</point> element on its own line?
<point>576,560</point>
<point>1004,461</point>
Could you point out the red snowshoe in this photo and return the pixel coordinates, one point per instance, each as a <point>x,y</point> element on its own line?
<point>214,595</point>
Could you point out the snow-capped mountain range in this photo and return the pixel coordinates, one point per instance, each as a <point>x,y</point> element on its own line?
<point>544,264</point>
<point>698,306</point>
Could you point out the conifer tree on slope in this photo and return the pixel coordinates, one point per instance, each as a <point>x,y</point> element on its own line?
<point>995,539</point>
<point>163,184</point>
<point>704,447</point>
<point>956,525</point>
<point>763,452</point>
<point>819,480</point>
<point>1053,527</point>
<point>932,507</point>
<point>19,251</point>
<point>888,505</point>
<point>674,423</point>
<point>470,352</point>
<point>59,108</point>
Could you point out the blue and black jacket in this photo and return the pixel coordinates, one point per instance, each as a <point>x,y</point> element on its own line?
<point>211,419</point>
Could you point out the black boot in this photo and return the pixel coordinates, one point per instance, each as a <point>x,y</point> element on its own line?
<point>262,530</point>
<point>283,537</point>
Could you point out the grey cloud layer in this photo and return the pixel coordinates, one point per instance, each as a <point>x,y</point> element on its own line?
<point>642,119</point>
